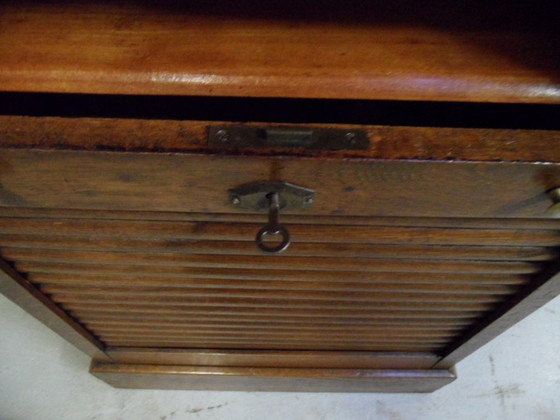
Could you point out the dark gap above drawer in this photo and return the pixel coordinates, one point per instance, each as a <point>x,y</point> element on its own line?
<point>284,110</point>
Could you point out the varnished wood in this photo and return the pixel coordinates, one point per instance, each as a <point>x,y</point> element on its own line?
<point>218,286</point>
<point>184,231</point>
<point>264,337</point>
<point>119,181</point>
<point>290,279</point>
<point>267,339</point>
<point>172,329</point>
<point>303,301</point>
<point>273,359</point>
<point>314,234</point>
<point>386,142</point>
<point>186,246</point>
<point>438,50</point>
<point>279,344</point>
<point>536,294</point>
<point>24,294</point>
<point>270,379</point>
<point>278,323</point>
<point>264,340</point>
<point>427,320</point>
<point>416,251</point>
<point>395,312</point>
<point>249,217</point>
<point>164,260</point>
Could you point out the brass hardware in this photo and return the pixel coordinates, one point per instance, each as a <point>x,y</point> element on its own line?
<point>272,197</point>
<point>554,210</point>
<point>253,196</point>
<point>314,138</point>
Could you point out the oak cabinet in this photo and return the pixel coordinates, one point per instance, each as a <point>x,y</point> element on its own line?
<point>119,230</point>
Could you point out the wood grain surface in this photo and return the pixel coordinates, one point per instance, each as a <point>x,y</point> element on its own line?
<point>386,142</point>
<point>263,358</point>
<point>436,50</point>
<point>24,294</point>
<point>543,288</point>
<point>199,183</point>
<point>118,233</point>
<point>304,249</point>
<point>270,379</point>
<point>168,216</point>
<point>405,284</point>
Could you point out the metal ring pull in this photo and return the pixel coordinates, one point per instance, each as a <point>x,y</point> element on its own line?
<point>271,196</point>
<point>554,210</point>
<point>273,227</point>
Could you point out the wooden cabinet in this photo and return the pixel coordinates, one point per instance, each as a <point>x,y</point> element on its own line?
<point>117,229</point>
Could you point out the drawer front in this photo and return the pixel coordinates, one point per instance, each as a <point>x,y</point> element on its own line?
<point>199,183</point>
<point>146,252</point>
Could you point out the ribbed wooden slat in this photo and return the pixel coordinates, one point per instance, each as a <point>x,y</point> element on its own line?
<point>126,318</point>
<point>350,51</point>
<point>328,336</point>
<point>263,337</point>
<point>288,346</point>
<point>151,271</point>
<point>177,295</point>
<point>218,278</point>
<point>368,285</point>
<point>277,287</point>
<point>146,326</point>
<point>401,311</point>
<point>266,262</point>
<point>392,312</point>
<point>248,217</point>
<point>257,338</point>
<point>304,300</point>
<point>298,249</point>
<point>278,344</point>
<point>305,233</point>
<point>285,339</point>
<point>340,335</point>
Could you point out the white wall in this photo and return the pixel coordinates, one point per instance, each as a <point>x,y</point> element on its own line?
<point>516,376</point>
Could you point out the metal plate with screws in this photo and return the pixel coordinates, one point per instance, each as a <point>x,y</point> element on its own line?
<point>242,136</point>
<point>253,196</point>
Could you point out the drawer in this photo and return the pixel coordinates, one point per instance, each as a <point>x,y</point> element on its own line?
<point>398,269</point>
<point>119,228</point>
<point>105,165</point>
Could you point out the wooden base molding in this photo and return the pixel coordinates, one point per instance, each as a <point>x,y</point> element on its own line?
<point>251,378</point>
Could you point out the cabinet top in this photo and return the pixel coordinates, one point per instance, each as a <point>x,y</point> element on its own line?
<point>393,50</point>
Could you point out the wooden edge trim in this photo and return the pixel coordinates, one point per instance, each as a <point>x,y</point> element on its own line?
<point>123,215</point>
<point>274,358</point>
<point>28,297</point>
<point>270,379</point>
<point>386,142</point>
<point>541,290</point>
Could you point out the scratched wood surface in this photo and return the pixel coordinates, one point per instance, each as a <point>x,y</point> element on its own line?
<point>386,142</point>
<point>270,379</point>
<point>436,50</point>
<point>278,359</point>
<point>401,285</point>
<point>99,180</point>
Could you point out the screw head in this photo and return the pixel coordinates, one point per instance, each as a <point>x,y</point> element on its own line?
<point>308,200</point>
<point>222,135</point>
<point>351,138</point>
<point>235,200</point>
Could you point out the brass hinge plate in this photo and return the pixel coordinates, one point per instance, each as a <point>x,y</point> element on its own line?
<point>243,136</point>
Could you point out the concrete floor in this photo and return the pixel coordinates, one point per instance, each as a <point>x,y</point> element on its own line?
<point>516,376</point>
